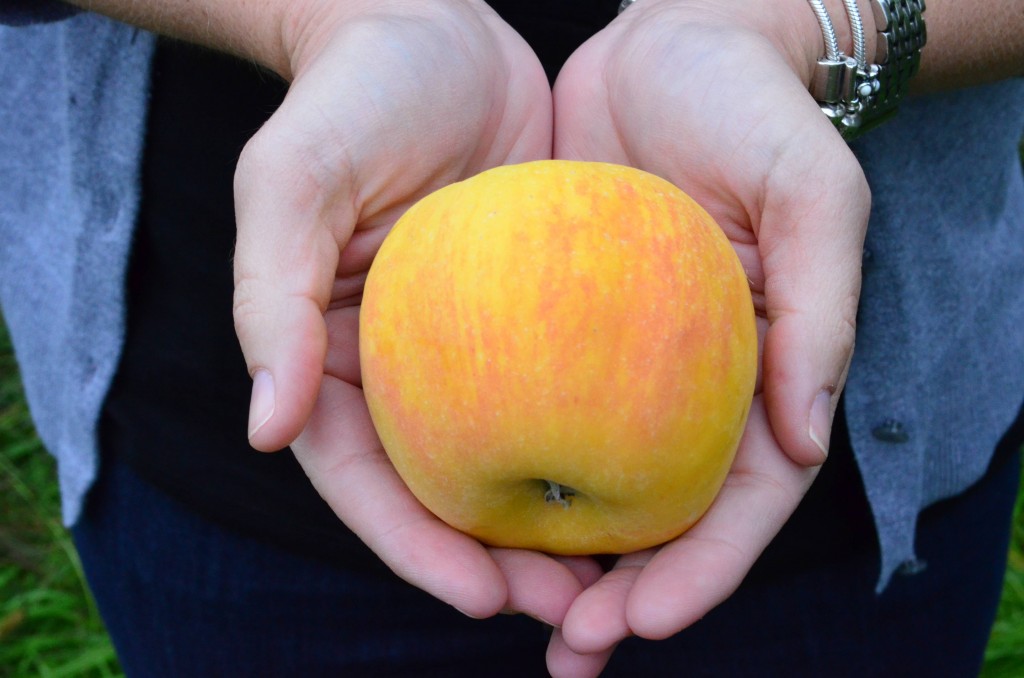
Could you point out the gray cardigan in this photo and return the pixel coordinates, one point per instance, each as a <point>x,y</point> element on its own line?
<point>938,372</point>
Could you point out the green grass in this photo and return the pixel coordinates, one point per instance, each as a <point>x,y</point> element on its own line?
<point>49,625</point>
<point>1004,657</point>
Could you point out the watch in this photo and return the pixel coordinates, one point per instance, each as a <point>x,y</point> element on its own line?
<point>857,96</point>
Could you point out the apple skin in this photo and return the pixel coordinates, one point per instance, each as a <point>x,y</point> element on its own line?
<point>560,356</point>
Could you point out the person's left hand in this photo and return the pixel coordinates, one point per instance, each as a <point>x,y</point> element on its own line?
<point>713,97</point>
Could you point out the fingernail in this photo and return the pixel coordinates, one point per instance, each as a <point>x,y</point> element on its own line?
<point>545,621</point>
<point>821,421</point>
<point>511,612</point>
<point>471,616</point>
<point>261,407</point>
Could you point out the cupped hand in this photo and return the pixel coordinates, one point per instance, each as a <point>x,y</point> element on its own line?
<point>389,101</point>
<point>713,96</point>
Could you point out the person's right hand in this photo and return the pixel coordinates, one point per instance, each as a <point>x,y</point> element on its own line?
<point>390,100</point>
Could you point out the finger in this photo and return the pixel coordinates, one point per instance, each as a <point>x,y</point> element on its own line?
<point>340,452</point>
<point>563,662</point>
<point>811,239</point>
<point>285,265</point>
<point>587,570</point>
<point>597,619</point>
<point>762,329</point>
<point>342,360</point>
<point>538,585</point>
<point>694,573</point>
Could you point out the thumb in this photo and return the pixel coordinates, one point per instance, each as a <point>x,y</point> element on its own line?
<point>811,241</point>
<point>284,269</point>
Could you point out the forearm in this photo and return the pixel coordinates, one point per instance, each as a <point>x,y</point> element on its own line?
<point>281,35</point>
<point>251,29</point>
<point>968,43</point>
<point>971,42</point>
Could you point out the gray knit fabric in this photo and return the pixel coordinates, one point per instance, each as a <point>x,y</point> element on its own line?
<point>938,372</point>
<point>940,342</point>
<point>71,128</point>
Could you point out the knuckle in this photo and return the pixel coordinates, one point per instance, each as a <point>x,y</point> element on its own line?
<point>846,332</point>
<point>254,156</point>
<point>245,307</point>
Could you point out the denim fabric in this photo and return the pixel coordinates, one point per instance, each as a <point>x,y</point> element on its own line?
<point>183,596</point>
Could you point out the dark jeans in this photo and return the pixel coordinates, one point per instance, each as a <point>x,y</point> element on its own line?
<point>184,597</point>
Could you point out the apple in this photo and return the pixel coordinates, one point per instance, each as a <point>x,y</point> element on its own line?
<point>559,356</point>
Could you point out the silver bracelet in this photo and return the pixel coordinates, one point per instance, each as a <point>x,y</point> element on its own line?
<point>857,96</point>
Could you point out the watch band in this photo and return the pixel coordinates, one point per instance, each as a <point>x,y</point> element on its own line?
<point>857,96</point>
<point>901,36</point>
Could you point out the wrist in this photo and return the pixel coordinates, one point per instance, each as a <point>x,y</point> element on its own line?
<point>789,25</point>
<point>862,91</point>
<point>805,44</point>
<point>308,25</point>
<point>305,28</point>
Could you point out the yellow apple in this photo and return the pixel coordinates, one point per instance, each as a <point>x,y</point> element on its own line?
<point>560,356</point>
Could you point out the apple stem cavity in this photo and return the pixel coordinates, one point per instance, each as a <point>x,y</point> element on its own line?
<point>559,494</point>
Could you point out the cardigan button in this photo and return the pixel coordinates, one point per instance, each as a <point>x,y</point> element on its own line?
<point>909,568</point>
<point>867,258</point>
<point>890,431</point>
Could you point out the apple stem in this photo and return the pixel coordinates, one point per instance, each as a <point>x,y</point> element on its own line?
<point>559,494</point>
